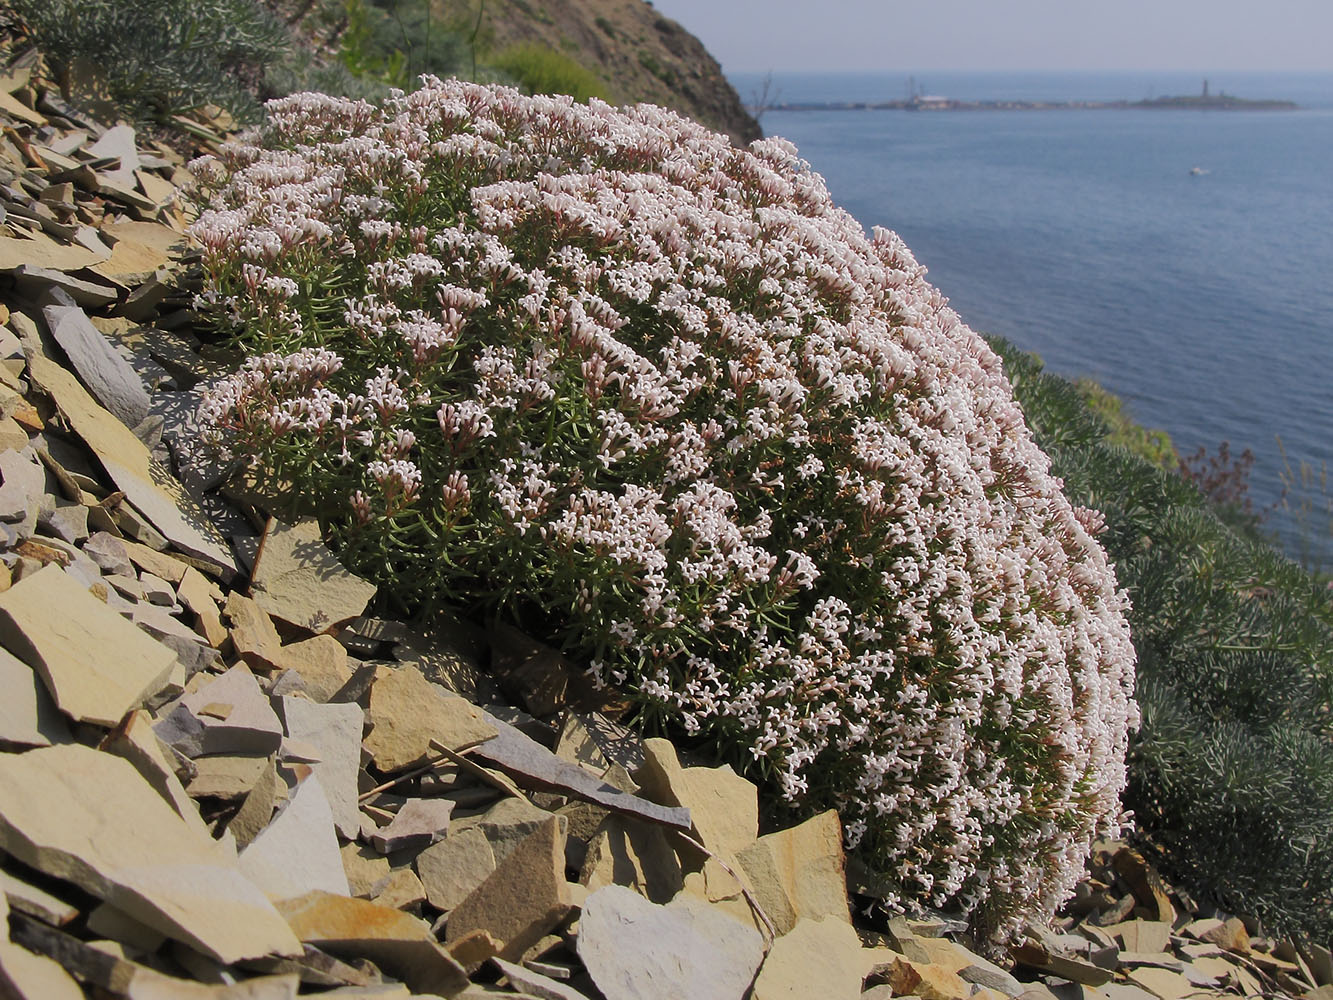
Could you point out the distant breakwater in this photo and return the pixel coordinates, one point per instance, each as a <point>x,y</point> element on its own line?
<point>1218,103</point>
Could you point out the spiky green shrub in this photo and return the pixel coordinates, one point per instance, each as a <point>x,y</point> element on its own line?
<point>155,58</point>
<point>1231,774</point>
<point>657,399</point>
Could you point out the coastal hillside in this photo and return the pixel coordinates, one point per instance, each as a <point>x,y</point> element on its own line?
<point>620,50</point>
<point>641,55</point>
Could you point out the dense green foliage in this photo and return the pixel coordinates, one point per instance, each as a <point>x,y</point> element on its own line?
<point>396,41</point>
<point>1231,775</point>
<point>155,58</point>
<point>541,70</point>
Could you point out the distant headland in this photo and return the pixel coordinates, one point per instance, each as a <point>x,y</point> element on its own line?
<point>1203,101</point>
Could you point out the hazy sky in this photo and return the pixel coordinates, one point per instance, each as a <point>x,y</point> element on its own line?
<point>1011,34</point>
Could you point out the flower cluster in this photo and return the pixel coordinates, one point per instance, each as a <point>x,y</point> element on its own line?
<point>660,398</point>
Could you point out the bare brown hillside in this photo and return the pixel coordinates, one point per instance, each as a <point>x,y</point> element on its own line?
<point>641,55</point>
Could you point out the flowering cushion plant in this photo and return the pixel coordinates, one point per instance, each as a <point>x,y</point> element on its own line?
<point>661,399</point>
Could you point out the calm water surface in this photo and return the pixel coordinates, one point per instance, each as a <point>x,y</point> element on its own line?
<point>1205,301</point>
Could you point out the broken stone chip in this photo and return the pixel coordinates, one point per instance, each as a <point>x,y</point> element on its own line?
<point>822,958</point>
<point>453,868</point>
<point>799,872</point>
<point>417,824</point>
<point>334,732</point>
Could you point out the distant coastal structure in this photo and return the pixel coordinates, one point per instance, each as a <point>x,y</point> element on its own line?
<point>918,101</point>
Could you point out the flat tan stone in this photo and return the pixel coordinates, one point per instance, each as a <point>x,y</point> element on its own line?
<point>224,777</point>
<point>398,942</point>
<point>152,490</point>
<point>195,593</point>
<point>35,902</point>
<point>417,824</point>
<point>151,985</point>
<point>334,731</point>
<point>140,249</point>
<point>724,807</point>
<point>1161,983</point>
<point>257,808</point>
<point>535,984</point>
<point>1230,934</point>
<point>44,252</point>
<point>523,898</point>
<point>799,872</point>
<point>249,728</point>
<point>402,891</point>
<point>1141,935</point>
<point>637,950</point>
<point>135,741</point>
<point>925,980</point>
<point>367,870</point>
<point>297,852</point>
<point>91,818</point>
<point>453,868</point>
<point>321,662</point>
<point>253,634</point>
<point>28,716</point>
<point>298,580</point>
<point>96,665</point>
<point>816,958</point>
<point>635,855</point>
<point>407,712</point>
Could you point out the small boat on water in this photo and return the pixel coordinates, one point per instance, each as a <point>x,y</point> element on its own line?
<point>1197,171</point>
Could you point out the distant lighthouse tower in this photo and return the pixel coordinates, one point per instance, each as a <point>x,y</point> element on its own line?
<point>1205,87</point>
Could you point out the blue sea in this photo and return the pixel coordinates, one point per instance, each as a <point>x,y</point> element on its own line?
<point>1204,300</point>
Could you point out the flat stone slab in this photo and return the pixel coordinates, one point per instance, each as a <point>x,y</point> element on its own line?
<point>407,712</point>
<point>535,984</point>
<point>15,253</point>
<point>723,806</point>
<point>817,958</point>
<point>799,872</point>
<point>335,732</point>
<point>523,899</point>
<point>90,818</point>
<point>107,375</point>
<point>150,488</point>
<point>399,943</point>
<point>451,869</point>
<point>22,482</point>
<point>229,715</point>
<point>637,950</point>
<point>96,665</point>
<point>417,824</point>
<point>299,581</point>
<point>534,766</point>
<point>28,716</point>
<point>297,852</point>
